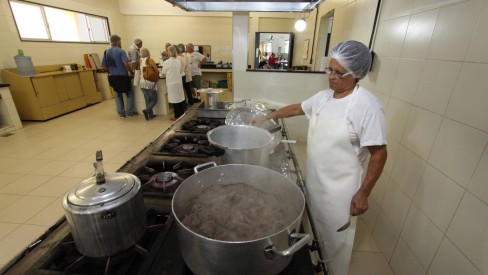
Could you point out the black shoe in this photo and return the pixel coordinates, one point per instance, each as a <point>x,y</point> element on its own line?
<point>196,100</point>
<point>152,116</point>
<point>145,114</point>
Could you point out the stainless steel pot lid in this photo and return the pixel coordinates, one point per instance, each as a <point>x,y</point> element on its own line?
<point>89,193</point>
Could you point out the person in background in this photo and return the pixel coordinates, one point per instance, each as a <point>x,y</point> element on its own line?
<point>174,85</point>
<point>148,88</point>
<point>165,54</point>
<point>187,80</point>
<point>262,60</point>
<point>115,61</point>
<point>272,61</point>
<point>347,125</point>
<point>196,61</point>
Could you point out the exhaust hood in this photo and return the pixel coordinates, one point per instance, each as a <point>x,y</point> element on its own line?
<point>247,5</point>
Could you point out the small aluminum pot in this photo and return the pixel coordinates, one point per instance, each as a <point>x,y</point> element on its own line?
<point>243,144</point>
<point>107,217</point>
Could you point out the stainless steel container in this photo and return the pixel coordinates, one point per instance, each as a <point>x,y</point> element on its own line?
<point>105,213</point>
<point>243,144</point>
<point>267,255</point>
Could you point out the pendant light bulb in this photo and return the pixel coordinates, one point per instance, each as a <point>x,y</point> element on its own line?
<point>300,25</point>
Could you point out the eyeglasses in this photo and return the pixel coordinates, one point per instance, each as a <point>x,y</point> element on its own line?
<point>328,70</point>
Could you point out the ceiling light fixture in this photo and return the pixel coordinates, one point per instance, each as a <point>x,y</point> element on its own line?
<point>300,25</point>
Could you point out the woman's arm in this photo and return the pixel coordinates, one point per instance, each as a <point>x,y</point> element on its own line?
<point>287,111</point>
<point>377,160</point>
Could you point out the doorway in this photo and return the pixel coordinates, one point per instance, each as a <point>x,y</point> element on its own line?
<point>325,31</point>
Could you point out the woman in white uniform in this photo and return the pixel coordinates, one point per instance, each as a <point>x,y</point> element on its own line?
<point>174,85</point>
<point>346,125</point>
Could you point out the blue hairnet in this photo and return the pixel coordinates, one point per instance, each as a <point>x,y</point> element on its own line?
<point>353,56</point>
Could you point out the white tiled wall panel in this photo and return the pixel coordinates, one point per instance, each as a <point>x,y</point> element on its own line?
<point>478,185</point>
<point>468,230</point>
<point>403,261</point>
<point>450,261</point>
<point>457,150</point>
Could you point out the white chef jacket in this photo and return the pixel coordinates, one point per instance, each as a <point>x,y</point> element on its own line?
<point>174,85</point>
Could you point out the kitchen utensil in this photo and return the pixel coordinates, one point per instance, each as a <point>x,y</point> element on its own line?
<point>244,116</point>
<point>345,226</point>
<point>105,212</point>
<point>266,255</point>
<point>243,144</point>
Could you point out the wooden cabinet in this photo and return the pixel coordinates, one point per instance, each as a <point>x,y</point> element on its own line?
<point>51,93</point>
<point>89,87</point>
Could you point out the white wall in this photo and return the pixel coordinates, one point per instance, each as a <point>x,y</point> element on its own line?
<point>47,53</point>
<point>428,212</point>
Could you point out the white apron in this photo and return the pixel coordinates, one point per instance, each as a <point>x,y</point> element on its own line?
<point>333,177</point>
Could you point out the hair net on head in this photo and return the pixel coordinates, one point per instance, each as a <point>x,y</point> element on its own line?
<point>353,56</point>
<point>137,40</point>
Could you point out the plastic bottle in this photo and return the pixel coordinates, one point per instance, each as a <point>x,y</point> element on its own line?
<point>24,64</point>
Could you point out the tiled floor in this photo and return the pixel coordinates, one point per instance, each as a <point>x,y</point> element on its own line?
<point>43,160</point>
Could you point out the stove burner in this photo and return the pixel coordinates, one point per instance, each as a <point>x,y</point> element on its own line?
<point>200,126</point>
<point>186,148</point>
<point>166,181</point>
<point>162,177</point>
<point>65,258</point>
<point>189,145</point>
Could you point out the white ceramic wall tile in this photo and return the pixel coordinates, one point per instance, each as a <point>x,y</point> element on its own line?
<point>363,241</point>
<point>478,185</point>
<point>393,147</point>
<point>422,236</point>
<point>453,30</point>
<point>447,196</point>
<point>386,73</point>
<point>469,100</point>
<point>406,79</point>
<point>450,261</point>
<point>7,199</point>
<point>419,33</point>
<point>457,150</point>
<point>396,118</point>
<point>401,8</point>
<point>380,189</point>
<point>479,42</point>
<point>396,36</point>
<point>381,36</point>
<point>403,261</point>
<point>420,132</point>
<point>436,85</point>
<point>407,171</point>
<point>395,206</point>
<point>468,230</point>
<point>385,235</point>
<point>371,215</point>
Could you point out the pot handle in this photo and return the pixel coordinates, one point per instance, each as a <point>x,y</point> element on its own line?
<point>204,165</point>
<point>271,250</point>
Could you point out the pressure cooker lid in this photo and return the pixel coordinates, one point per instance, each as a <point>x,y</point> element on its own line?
<point>89,193</point>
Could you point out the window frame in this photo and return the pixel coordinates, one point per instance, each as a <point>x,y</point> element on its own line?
<point>49,39</point>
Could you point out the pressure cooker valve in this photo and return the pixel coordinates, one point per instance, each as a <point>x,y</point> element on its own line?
<point>99,173</point>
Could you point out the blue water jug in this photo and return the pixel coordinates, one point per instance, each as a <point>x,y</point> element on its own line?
<point>24,64</point>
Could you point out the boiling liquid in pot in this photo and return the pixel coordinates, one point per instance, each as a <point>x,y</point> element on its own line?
<point>234,212</point>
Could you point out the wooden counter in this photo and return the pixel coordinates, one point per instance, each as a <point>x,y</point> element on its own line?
<point>51,92</point>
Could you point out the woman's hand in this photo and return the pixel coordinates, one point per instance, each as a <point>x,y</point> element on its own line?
<point>258,120</point>
<point>359,203</point>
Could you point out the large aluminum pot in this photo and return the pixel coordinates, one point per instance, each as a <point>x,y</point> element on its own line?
<point>105,217</point>
<point>243,144</point>
<point>266,255</point>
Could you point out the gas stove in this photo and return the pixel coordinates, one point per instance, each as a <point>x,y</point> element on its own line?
<point>158,251</point>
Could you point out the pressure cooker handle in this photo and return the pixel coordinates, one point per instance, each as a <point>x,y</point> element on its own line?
<point>271,251</point>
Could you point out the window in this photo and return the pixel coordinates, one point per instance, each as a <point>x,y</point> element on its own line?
<point>44,23</point>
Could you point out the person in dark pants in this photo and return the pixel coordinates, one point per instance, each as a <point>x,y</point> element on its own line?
<point>174,84</point>
<point>187,80</point>
<point>115,61</point>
